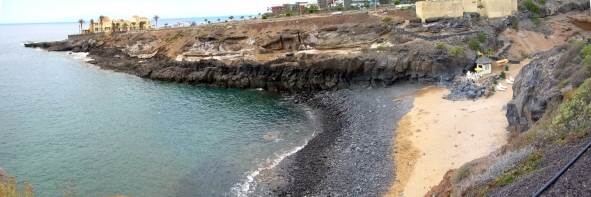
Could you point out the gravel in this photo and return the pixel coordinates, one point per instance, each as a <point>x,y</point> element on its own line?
<point>575,181</point>
<point>352,156</point>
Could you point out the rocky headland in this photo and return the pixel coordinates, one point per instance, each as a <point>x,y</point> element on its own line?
<point>296,55</point>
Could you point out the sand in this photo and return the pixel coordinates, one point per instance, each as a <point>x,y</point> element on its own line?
<point>529,42</point>
<point>438,135</point>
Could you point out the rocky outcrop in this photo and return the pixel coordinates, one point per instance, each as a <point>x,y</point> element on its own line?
<point>541,83</point>
<point>3,175</point>
<point>465,89</point>
<point>292,72</point>
<point>555,7</point>
<point>308,72</point>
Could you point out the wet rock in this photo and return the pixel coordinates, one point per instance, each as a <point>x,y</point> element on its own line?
<point>3,174</point>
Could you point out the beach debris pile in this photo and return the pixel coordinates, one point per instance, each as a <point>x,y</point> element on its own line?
<point>465,89</point>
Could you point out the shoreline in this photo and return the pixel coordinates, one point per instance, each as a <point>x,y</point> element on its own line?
<point>441,135</point>
<point>438,135</point>
<point>327,106</point>
<point>245,187</point>
<point>351,155</point>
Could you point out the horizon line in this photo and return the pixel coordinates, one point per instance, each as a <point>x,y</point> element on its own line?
<point>76,21</point>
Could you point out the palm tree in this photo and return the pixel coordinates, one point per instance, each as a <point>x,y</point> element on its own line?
<point>125,26</point>
<point>133,25</point>
<point>142,25</point>
<point>156,20</point>
<point>81,22</point>
<point>101,20</point>
<point>91,25</point>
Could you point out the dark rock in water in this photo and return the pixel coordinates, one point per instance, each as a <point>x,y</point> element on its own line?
<point>2,173</point>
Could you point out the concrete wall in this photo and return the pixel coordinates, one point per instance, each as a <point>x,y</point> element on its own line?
<point>471,5</point>
<point>435,9</point>
<point>498,8</point>
<point>457,8</point>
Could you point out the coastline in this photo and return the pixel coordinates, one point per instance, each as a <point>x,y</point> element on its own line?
<point>351,155</point>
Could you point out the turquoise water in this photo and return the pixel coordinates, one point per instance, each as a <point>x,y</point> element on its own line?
<point>69,126</point>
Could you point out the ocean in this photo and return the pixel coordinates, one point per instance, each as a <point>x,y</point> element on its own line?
<point>69,127</point>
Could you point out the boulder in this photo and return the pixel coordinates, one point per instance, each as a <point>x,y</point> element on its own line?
<point>542,83</point>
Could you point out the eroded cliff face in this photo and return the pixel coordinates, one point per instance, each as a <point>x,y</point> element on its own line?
<point>306,54</point>
<point>542,83</point>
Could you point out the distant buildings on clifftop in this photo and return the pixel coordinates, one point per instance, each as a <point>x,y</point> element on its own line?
<point>106,24</point>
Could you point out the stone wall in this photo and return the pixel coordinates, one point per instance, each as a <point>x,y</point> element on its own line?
<point>457,8</point>
<point>471,5</point>
<point>435,9</point>
<point>498,8</point>
<point>84,36</point>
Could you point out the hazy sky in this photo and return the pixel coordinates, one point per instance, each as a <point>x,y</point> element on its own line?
<point>32,11</point>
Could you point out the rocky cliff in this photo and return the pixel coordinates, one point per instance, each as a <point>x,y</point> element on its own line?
<point>321,53</point>
<point>542,83</point>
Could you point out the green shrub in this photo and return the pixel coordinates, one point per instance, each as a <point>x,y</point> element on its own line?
<point>536,20</point>
<point>440,45</point>
<point>396,2</point>
<point>574,115</point>
<point>456,51</point>
<point>387,20</point>
<point>586,51</point>
<point>530,164</point>
<point>503,75</point>
<point>531,6</point>
<point>313,9</point>
<point>489,52</point>
<point>505,179</point>
<point>481,37</point>
<point>474,44</point>
<point>506,67</point>
<point>462,173</point>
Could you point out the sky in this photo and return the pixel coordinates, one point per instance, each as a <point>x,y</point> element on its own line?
<point>40,11</point>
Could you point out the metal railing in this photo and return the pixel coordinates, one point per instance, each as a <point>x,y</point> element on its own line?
<point>562,171</point>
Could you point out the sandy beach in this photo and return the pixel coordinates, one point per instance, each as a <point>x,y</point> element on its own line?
<point>438,135</point>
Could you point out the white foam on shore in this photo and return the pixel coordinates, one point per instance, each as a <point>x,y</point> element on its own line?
<point>83,56</point>
<point>244,188</point>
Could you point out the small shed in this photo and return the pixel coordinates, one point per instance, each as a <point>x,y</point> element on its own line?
<point>483,65</point>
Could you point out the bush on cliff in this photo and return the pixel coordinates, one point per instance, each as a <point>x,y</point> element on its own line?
<point>531,6</point>
<point>440,46</point>
<point>474,44</point>
<point>456,51</point>
<point>574,114</point>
